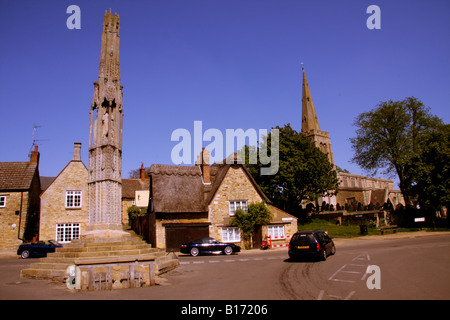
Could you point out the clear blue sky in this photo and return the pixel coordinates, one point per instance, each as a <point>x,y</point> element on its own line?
<point>229,63</point>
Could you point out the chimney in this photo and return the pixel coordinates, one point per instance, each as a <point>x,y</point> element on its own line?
<point>142,172</point>
<point>204,163</point>
<point>76,151</point>
<point>34,155</point>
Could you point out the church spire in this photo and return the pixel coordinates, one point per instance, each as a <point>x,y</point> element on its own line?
<point>310,122</point>
<point>309,116</point>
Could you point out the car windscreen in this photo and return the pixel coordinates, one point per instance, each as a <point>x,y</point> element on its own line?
<point>303,238</point>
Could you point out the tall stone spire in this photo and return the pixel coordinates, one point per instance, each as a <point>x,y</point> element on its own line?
<point>309,116</point>
<point>105,136</point>
<point>310,122</point>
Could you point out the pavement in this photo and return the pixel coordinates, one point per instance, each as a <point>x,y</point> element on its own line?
<point>11,253</point>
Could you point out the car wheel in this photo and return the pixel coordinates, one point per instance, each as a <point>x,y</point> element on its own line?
<point>25,254</point>
<point>194,252</point>
<point>333,249</point>
<point>228,250</point>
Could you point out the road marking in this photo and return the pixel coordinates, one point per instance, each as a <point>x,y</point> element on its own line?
<point>332,276</point>
<point>320,295</point>
<point>227,260</point>
<point>349,295</point>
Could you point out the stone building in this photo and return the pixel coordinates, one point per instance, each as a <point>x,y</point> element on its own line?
<point>135,192</point>
<point>191,202</point>
<point>19,201</point>
<point>353,189</point>
<point>64,205</point>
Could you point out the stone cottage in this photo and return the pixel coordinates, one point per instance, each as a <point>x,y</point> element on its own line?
<point>135,192</point>
<point>19,201</point>
<point>191,202</point>
<point>64,203</point>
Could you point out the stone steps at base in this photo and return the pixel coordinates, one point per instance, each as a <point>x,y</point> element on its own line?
<point>103,251</point>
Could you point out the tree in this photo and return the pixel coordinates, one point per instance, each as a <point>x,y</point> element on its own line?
<point>387,137</point>
<point>429,170</point>
<point>248,221</point>
<point>136,173</point>
<point>304,172</point>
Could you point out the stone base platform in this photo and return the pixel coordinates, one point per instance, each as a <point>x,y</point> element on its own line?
<point>103,263</point>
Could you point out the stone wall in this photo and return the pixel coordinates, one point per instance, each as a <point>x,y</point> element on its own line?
<point>53,201</point>
<point>235,186</point>
<point>10,219</point>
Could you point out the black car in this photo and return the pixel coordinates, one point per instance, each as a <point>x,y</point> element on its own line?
<point>315,243</point>
<point>208,245</point>
<point>37,249</point>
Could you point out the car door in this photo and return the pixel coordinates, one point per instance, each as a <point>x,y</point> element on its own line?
<point>327,242</point>
<point>322,241</point>
<point>212,245</point>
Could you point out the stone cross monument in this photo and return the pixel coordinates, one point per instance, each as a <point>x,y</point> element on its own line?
<point>105,138</point>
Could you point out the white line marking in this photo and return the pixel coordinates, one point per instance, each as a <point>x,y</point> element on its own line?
<point>331,278</point>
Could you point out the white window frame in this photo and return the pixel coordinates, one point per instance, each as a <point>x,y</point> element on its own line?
<point>231,234</point>
<point>2,201</point>
<point>237,204</point>
<point>66,232</point>
<point>276,231</point>
<point>71,199</point>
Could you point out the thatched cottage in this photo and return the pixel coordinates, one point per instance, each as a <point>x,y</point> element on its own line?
<point>190,202</point>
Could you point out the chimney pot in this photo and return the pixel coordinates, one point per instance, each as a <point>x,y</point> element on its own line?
<point>34,156</point>
<point>142,172</point>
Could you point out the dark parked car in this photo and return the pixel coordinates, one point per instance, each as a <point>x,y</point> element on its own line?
<point>208,245</point>
<point>315,243</point>
<point>37,249</point>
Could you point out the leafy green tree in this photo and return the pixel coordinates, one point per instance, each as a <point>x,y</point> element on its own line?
<point>387,137</point>
<point>134,212</point>
<point>429,170</point>
<point>304,172</point>
<point>248,221</point>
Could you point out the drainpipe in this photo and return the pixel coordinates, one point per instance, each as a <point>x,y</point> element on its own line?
<point>20,216</point>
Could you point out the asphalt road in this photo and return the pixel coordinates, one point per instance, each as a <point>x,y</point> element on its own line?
<point>411,268</point>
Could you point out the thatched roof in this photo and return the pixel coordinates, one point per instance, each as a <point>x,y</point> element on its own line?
<point>180,189</point>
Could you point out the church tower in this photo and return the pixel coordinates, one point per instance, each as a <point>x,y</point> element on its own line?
<point>105,135</point>
<point>310,122</point>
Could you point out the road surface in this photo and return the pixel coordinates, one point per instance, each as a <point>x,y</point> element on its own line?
<point>411,268</point>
